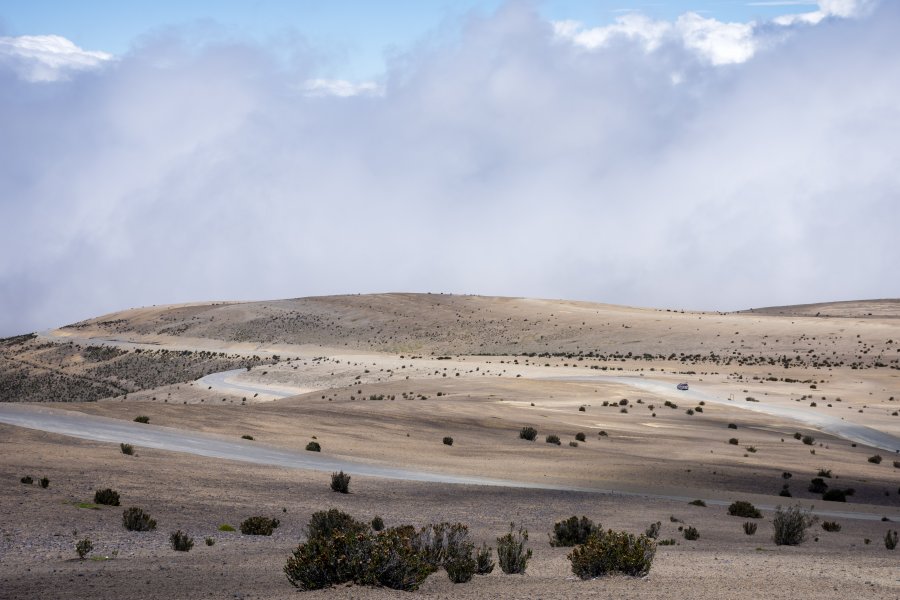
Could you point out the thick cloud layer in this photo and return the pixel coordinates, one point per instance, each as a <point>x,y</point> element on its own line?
<point>510,161</point>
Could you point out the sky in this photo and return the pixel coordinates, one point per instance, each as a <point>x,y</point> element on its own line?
<point>700,154</point>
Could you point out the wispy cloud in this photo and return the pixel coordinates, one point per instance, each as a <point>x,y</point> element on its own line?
<point>47,57</point>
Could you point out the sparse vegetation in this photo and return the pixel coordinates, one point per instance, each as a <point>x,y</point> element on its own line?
<point>247,437</point>
<point>226,527</point>
<point>749,527</point>
<point>259,525</point>
<point>528,433</point>
<point>340,482</point>
<point>572,531</point>
<point>890,539</point>
<point>27,480</point>
<point>553,439</point>
<point>84,547</point>
<point>652,531</point>
<point>697,502</point>
<point>609,552</point>
<point>313,447</point>
<point>107,497</point>
<point>484,564</point>
<point>135,519</point>
<point>580,436</point>
<point>210,541</point>
<point>377,523</point>
<point>448,441</point>
<point>790,525</point>
<point>127,449</point>
<point>511,552</point>
<point>44,482</point>
<point>142,419</point>
<point>875,459</point>
<point>181,542</point>
<point>742,508</point>
<point>831,526</point>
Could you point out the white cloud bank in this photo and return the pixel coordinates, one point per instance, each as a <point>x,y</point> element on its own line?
<point>47,57</point>
<point>505,162</point>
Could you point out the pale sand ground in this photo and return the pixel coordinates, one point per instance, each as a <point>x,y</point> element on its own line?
<point>482,409</point>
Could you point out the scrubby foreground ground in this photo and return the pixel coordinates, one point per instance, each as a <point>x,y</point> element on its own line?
<point>384,379</point>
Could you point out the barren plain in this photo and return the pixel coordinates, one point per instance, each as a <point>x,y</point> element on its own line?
<point>776,397</point>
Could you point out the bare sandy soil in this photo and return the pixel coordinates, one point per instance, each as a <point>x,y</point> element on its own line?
<point>385,378</point>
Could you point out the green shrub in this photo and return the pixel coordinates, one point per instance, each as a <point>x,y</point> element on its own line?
<point>552,439</point>
<point>325,523</point>
<point>818,486</point>
<point>210,541</point>
<point>697,502</point>
<point>733,441</point>
<point>742,508</point>
<point>797,435</point>
<point>890,539</point>
<point>44,482</point>
<point>448,441</point>
<point>732,426</point>
<point>602,433</point>
<point>652,531</point>
<point>690,533</point>
<point>790,525</point>
<point>340,482</point>
<point>897,464</point>
<point>247,437</point>
<point>377,523</point>
<point>441,542</point>
<point>808,440</point>
<point>831,526</point>
<point>668,542</point>
<point>749,527</point>
<point>572,531</point>
<point>460,564</point>
<point>613,552</point>
<point>580,436</point>
<point>258,525</point>
<point>314,447</point>
<point>84,547</point>
<point>528,433</point>
<point>484,564</point>
<point>142,419</point>
<point>511,552</point>
<point>824,473</point>
<point>135,519</point>
<point>876,459</point>
<point>27,480</point>
<point>107,497</point>
<point>226,527</point>
<point>127,449</point>
<point>180,541</point>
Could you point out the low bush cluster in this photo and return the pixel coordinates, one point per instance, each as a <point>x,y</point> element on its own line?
<point>135,519</point>
<point>790,525</point>
<point>609,552</point>
<point>259,525</point>
<point>742,508</point>
<point>340,482</point>
<point>528,433</point>
<point>572,531</point>
<point>107,497</point>
<point>511,552</point>
<point>182,542</point>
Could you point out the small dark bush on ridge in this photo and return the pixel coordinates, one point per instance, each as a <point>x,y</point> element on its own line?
<point>742,508</point>
<point>340,482</point>
<point>610,552</point>
<point>107,497</point>
<point>528,433</point>
<point>733,441</point>
<point>572,531</point>
<point>835,495</point>
<point>127,449</point>
<point>181,542</point>
<point>314,447</point>
<point>511,552</point>
<point>247,437</point>
<point>258,525</point>
<point>552,439</point>
<point>448,441</point>
<point>580,436</point>
<point>135,519</point>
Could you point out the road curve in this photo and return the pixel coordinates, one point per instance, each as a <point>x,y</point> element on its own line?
<point>104,429</point>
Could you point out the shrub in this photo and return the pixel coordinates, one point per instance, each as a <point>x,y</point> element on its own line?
<point>613,552</point>
<point>791,525</point>
<point>258,525</point>
<point>785,492</point>
<point>602,433</point>
<point>325,523</point>
<point>142,419</point>
<point>897,464</point>
<point>484,564</point>
<point>573,444</point>
<point>668,542</point>
<point>45,483</point>
<point>835,495</point>
<point>797,435</point>
<point>27,480</point>
<point>742,508</point>
<point>314,447</point>
<point>438,543</point>
<point>697,502</point>
<point>580,436</point>
<point>749,527</point>
<point>876,459</point>
<point>890,539</point>
<point>690,533</point>
<point>181,542</point>
<point>448,441</point>
<point>733,441</point>
<point>824,473</point>
<point>528,433</point>
<point>107,497</point>
<point>511,552</point>
<point>831,526</point>
<point>808,440</point>
<point>135,519</point>
<point>818,486</point>
<point>461,567</point>
<point>652,531</point>
<point>732,426</point>
<point>377,523</point>
<point>226,527</point>
<point>340,482</point>
<point>210,541</point>
<point>552,439</point>
<point>247,437</point>
<point>127,449</point>
<point>572,531</point>
<point>84,547</point>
